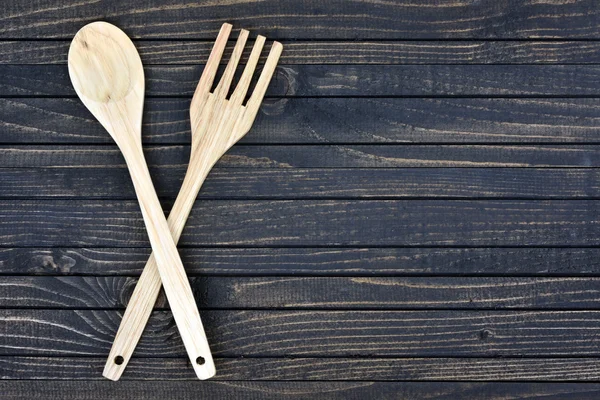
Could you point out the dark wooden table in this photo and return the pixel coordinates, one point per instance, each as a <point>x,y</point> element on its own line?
<point>415,213</point>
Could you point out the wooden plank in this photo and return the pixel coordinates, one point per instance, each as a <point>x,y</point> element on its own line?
<point>97,223</point>
<point>387,293</point>
<point>85,390</point>
<point>311,369</point>
<point>310,261</point>
<point>311,183</point>
<point>314,333</point>
<point>313,156</point>
<point>336,52</point>
<point>312,20</point>
<point>327,120</point>
<point>342,80</point>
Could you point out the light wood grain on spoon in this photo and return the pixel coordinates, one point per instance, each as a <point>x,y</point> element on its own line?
<point>107,74</point>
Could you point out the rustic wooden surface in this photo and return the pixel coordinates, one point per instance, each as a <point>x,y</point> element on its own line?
<point>415,213</point>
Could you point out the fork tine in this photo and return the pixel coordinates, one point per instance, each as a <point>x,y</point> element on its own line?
<point>225,82</point>
<point>265,77</point>
<point>242,87</point>
<point>210,70</point>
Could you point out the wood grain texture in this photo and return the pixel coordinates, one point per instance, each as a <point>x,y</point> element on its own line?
<point>355,333</point>
<point>83,223</point>
<point>84,390</point>
<point>414,212</point>
<point>311,183</point>
<point>312,369</point>
<point>309,261</point>
<point>343,80</point>
<point>327,120</point>
<point>337,52</point>
<point>313,156</point>
<point>337,293</point>
<point>336,19</point>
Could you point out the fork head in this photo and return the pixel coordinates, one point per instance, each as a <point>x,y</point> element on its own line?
<point>219,122</point>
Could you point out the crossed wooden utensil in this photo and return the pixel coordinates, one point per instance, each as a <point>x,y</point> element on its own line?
<point>107,74</point>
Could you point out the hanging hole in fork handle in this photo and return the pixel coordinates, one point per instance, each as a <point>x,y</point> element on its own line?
<point>200,360</point>
<point>119,360</point>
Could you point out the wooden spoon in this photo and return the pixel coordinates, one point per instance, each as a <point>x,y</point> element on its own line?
<point>107,74</point>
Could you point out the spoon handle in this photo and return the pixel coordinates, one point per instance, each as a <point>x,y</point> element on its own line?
<point>148,287</point>
<point>171,273</point>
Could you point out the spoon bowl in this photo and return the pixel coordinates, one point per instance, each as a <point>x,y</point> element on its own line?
<point>107,74</point>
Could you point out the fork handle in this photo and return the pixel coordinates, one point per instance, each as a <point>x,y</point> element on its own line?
<point>164,266</point>
<point>148,287</point>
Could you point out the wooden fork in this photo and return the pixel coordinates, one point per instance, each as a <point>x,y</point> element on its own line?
<point>217,124</point>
